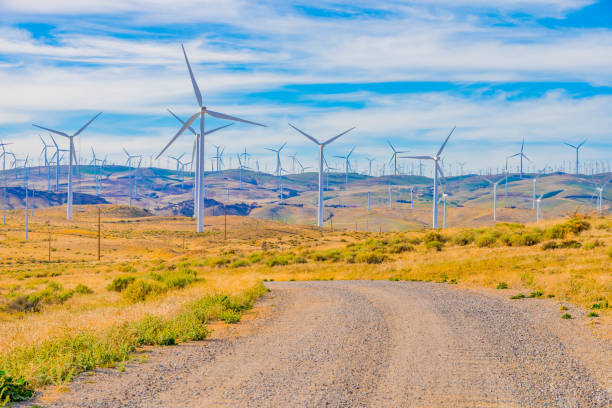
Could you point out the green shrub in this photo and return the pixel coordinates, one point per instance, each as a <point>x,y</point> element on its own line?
<point>119,284</point>
<point>399,248</point>
<point>279,260</point>
<point>570,244</point>
<point>576,225</point>
<point>557,231</point>
<point>434,236</point>
<point>464,238</point>
<point>549,245</point>
<point>437,245</point>
<point>593,314</point>
<point>255,257</point>
<point>14,389</point>
<point>24,304</point>
<point>230,316</point>
<point>217,262</point>
<point>82,289</point>
<point>239,263</point>
<point>486,240</point>
<point>566,316</point>
<point>139,290</point>
<point>502,285</point>
<point>536,294</point>
<point>127,268</point>
<point>373,257</point>
<point>518,296</point>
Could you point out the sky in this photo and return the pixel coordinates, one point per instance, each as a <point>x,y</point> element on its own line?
<point>403,71</point>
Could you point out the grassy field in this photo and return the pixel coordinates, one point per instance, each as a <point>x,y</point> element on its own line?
<point>62,311</point>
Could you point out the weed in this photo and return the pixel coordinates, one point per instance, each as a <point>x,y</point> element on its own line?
<point>139,290</point>
<point>566,316</point>
<point>83,289</point>
<point>562,308</point>
<point>464,238</point>
<point>518,296</point>
<point>593,244</point>
<point>14,389</point>
<point>502,285</point>
<point>119,284</point>
<point>593,314</point>
<point>570,244</point>
<point>434,236</point>
<point>437,245</point>
<point>486,240</point>
<point>536,294</point>
<point>373,257</point>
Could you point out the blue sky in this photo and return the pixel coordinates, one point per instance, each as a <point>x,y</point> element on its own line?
<point>407,71</point>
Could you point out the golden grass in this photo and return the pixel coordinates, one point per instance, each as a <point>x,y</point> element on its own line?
<point>141,246</point>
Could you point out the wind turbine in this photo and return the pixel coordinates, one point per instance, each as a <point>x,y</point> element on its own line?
<point>4,153</point>
<point>522,155</point>
<point>278,160</point>
<point>321,159</point>
<point>197,156</point>
<point>72,157</point>
<point>444,195</point>
<point>370,166</point>
<point>577,148</point>
<point>495,183</point>
<point>132,174</point>
<point>437,168</point>
<point>347,166</point>
<point>538,205</point>
<point>202,111</point>
<point>241,167</point>
<point>535,188</point>
<point>394,157</point>
<point>599,192</point>
<point>506,185</point>
<point>45,155</point>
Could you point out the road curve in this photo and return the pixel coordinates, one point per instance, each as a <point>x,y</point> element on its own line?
<point>363,344</point>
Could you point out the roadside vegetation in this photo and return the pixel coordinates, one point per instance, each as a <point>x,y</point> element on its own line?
<point>157,284</point>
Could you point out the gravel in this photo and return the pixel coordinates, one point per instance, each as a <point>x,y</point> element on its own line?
<point>369,344</point>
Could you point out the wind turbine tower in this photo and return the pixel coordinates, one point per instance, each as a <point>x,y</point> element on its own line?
<point>577,148</point>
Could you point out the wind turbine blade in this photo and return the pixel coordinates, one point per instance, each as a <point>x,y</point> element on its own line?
<point>583,142</point>
<point>74,156</point>
<point>183,122</point>
<point>417,157</point>
<point>281,148</point>
<point>219,128</point>
<point>180,132</point>
<point>126,152</point>
<point>198,94</point>
<point>572,146</point>
<point>446,141</point>
<point>53,141</point>
<point>193,152</point>
<point>528,159</point>
<point>228,117</point>
<point>440,170</point>
<point>87,124</point>
<point>53,131</point>
<point>305,134</point>
<point>351,152</point>
<point>337,136</point>
<point>390,145</point>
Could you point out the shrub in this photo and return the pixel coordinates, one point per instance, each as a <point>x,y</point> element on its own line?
<point>536,294</point>
<point>24,304</point>
<point>372,257</point>
<point>279,260</point>
<point>119,284</point>
<point>82,289</point>
<point>562,308</point>
<point>570,244</point>
<point>610,252</point>
<point>437,245</point>
<point>549,245</point>
<point>593,314</point>
<point>139,290</point>
<point>433,236</point>
<point>502,285</point>
<point>576,225</point>
<point>486,240</point>
<point>179,279</point>
<point>14,390</point>
<point>230,316</point>
<point>399,248</point>
<point>238,263</point>
<point>557,231</point>
<point>566,316</point>
<point>255,257</point>
<point>464,238</point>
<point>518,296</point>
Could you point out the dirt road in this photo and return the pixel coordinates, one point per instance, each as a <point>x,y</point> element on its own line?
<point>371,344</point>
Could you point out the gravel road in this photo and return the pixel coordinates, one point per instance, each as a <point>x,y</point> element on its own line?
<point>370,344</point>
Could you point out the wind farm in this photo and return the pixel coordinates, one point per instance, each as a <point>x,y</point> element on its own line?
<point>340,239</point>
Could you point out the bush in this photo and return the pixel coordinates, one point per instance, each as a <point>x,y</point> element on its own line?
<point>502,285</point>
<point>570,244</point>
<point>24,304</point>
<point>82,289</point>
<point>486,240</point>
<point>464,238</point>
<point>14,390</point>
<point>119,284</point>
<point>434,236</point>
<point>255,257</point>
<point>399,248</point>
<point>556,231</point>
<point>372,257</point>
<point>230,316</point>
<point>518,296</point>
<point>576,225</point>
<point>239,263</point>
<point>610,252</point>
<point>139,290</point>
<point>437,245</point>
<point>549,245</point>
<point>566,316</point>
<point>279,260</point>
<point>593,244</point>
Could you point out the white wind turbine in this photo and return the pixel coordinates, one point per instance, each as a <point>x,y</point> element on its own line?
<point>72,157</point>
<point>321,159</point>
<point>347,166</point>
<point>538,205</point>
<point>577,148</point>
<point>535,188</point>
<point>437,168</point>
<point>599,192</point>
<point>202,111</point>
<point>394,157</point>
<point>45,155</point>
<point>522,155</point>
<point>132,172</point>
<point>495,184</point>
<point>4,183</point>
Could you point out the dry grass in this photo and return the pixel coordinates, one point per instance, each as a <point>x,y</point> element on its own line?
<point>140,247</point>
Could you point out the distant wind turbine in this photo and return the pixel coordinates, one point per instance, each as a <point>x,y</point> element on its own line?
<point>494,183</point>
<point>577,148</point>
<point>321,170</point>
<point>437,169</point>
<point>347,166</point>
<point>394,157</point>
<point>72,157</point>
